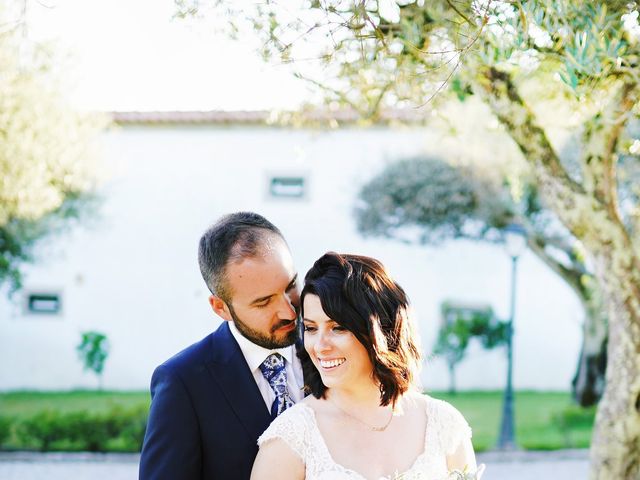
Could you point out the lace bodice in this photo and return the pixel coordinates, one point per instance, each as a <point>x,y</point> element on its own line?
<point>297,426</point>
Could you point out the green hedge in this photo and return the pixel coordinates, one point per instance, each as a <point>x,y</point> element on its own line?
<point>81,421</point>
<point>5,430</point>
<point>574,423</point>
<point>116,430</point>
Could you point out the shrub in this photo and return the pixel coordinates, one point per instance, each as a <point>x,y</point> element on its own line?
<point>42,429</point>
<point>83,430</point>
<point>132,428</point>
<point>574,417</point>
<point>5,429</point>
<point>572,421</point>
<point>89,432</point>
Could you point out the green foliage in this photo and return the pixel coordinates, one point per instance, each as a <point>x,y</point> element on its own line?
<point>575,417</point>
<point>47,153</point>
<point>443,200</point>
<point>131,434</point>
<point>440,199</point>
<point>574,422</point>
<point>116,429</point>
<point>43,429</point>
<point>19,236</point>
<point>459,326</point>
<point>119,415</point>
<point>93,350</point>
<point>536,424</point>
<point>90,432</point>
<point>462,91</point>
<point>5,429</point>
<point>413,192</point>
<point>415,50</point>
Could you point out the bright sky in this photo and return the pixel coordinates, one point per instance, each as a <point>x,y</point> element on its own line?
<point>130,55</point>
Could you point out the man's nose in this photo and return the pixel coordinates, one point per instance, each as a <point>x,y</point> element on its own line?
<point>288,309</point>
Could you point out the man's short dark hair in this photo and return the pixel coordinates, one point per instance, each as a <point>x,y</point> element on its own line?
<point>357,293</point>
<point>233,237</point>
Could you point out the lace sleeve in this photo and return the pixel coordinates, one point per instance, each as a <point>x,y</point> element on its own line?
<point>290,426</point>
<point>449,425</point>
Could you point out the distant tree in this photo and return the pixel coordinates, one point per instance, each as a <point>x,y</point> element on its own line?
<point>93,351</point>
<point>47,155</point>
<point>459,326</point>
<point>427,200</point>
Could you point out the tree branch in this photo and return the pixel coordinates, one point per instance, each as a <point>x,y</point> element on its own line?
<point>570,200</point>
<point>570,275</point>
<point>601,137</point>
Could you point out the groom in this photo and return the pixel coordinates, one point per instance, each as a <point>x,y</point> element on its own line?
<point>210,402</point>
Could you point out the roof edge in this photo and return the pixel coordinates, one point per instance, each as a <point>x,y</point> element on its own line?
<point>264,117</point>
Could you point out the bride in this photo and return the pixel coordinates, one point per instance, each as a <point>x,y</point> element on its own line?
<point>364,419</point>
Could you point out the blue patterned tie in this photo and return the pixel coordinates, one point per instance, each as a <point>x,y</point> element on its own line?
<point>274,372</point>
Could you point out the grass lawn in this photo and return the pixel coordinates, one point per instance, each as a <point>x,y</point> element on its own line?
<point>24,404</point>
<point>544,420</point>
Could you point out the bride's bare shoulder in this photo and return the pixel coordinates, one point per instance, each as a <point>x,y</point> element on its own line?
<point>318,405</point>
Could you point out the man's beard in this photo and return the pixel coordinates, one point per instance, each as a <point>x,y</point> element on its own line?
<point>261,339</point>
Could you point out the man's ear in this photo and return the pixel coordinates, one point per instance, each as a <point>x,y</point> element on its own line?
<point>220,308</point>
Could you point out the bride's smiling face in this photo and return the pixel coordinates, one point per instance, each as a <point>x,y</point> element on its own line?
<point>336,353</point>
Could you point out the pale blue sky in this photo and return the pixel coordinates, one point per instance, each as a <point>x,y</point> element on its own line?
<point>130,55</point>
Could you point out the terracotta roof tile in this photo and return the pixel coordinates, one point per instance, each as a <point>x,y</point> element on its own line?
<point>259,117</point>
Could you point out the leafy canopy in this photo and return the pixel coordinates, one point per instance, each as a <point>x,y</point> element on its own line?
<point>93,350</point>
<point>47,153</point>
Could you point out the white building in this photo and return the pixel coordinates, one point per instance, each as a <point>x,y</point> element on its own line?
<point>131,272</point>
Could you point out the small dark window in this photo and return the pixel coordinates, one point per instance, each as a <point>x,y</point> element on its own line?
<point>287,187</point>
<point>48,303</point>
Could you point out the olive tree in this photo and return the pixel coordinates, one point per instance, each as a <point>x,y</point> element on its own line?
<point>47,154</point>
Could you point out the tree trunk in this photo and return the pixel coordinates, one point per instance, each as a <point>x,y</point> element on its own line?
<point>452,379</point>
<point>615,448</point>
<point>589,380</point>
<point>589,210</point>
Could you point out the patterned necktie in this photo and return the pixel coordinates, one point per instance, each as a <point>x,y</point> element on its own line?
<point>274,372</point>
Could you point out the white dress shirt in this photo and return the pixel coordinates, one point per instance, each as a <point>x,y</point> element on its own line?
<point>255,355</point>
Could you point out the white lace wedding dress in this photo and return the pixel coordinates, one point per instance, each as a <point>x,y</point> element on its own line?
<point>297,426</point>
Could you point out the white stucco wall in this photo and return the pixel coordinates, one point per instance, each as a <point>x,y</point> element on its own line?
<point>132,273</point>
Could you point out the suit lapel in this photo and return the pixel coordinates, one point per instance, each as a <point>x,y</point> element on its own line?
<point>230,370</point>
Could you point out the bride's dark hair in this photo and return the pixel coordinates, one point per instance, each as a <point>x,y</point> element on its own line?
<point>357,293</point>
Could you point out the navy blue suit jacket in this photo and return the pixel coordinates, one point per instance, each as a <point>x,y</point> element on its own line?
<point>206,414</point>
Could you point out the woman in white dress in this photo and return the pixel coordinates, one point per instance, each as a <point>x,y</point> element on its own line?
<point>364,418</point>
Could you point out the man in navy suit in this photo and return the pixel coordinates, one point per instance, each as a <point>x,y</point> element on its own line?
<point>210,402</point>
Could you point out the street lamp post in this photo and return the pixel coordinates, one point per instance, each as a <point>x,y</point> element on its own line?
<point>515,243</point>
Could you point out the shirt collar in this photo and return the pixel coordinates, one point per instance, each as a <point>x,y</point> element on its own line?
<point>255,354</point>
